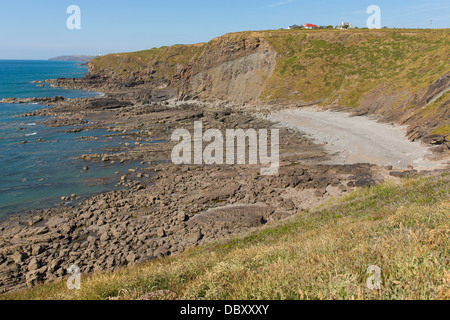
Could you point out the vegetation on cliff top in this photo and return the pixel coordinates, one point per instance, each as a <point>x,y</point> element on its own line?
<point>156,63</point>
<point>343,66</point>
<point>321,254</point>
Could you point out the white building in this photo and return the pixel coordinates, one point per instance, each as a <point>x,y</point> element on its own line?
<point>345,26</point>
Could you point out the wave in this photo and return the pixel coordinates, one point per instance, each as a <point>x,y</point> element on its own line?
<point>31,134</point>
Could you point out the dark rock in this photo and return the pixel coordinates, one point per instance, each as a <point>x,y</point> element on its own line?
<point>361,183</point>
<point>434,139</point>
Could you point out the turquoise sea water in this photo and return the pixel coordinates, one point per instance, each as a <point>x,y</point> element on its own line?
<point>36,174</point>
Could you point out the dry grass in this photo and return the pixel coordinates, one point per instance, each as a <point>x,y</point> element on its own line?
<point>323,254</point>
<point>156,63</point>
<point>343,66</point>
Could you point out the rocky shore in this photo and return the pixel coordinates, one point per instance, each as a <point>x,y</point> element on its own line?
<point>44,101</point>
<point>163,209</point>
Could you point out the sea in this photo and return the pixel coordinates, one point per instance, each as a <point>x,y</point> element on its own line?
<point>36,174</point>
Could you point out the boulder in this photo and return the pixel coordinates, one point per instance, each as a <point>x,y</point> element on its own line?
<point>18,257</point>
<point>161,232</point>
<point>194,237</point>
<point>33,278</point>
<point>34,264</point>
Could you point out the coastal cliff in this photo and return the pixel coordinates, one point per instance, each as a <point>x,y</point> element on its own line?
<point>401,76</point>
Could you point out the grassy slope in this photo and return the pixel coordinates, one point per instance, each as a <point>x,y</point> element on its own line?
<point>322,254</point>
<point>343,66</point>
<point>156,62</point>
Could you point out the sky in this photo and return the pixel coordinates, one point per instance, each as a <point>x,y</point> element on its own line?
<point>31,29</point>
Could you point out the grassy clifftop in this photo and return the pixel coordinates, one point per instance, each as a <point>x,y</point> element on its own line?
<point>335,65</point>
<point>321,254</point>
<point>156,63</point>
<point>401,75</point>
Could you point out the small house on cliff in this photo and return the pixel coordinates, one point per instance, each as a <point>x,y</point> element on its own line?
<point>304,26</point>
<point>310,26</point>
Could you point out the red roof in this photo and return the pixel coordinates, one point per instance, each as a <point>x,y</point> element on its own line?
<point>309,25</point>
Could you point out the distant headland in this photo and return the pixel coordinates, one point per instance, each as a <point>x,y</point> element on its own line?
<point>80,58</point>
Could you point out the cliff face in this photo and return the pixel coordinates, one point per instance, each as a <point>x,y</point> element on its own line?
<point>425,110</point>
<point>229,69</point>
<point>400,75</point>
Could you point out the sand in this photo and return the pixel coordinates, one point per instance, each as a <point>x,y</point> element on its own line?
<point>353,140</point>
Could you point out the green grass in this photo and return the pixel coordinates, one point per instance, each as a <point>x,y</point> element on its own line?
<point>157,63</point>
<point>343,66</point>
<point>443,130</point>
<point>320,254</point>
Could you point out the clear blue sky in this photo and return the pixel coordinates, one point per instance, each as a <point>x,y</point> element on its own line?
<point>31,29</point>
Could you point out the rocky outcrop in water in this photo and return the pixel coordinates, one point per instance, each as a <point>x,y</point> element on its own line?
<point>45,101</point>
